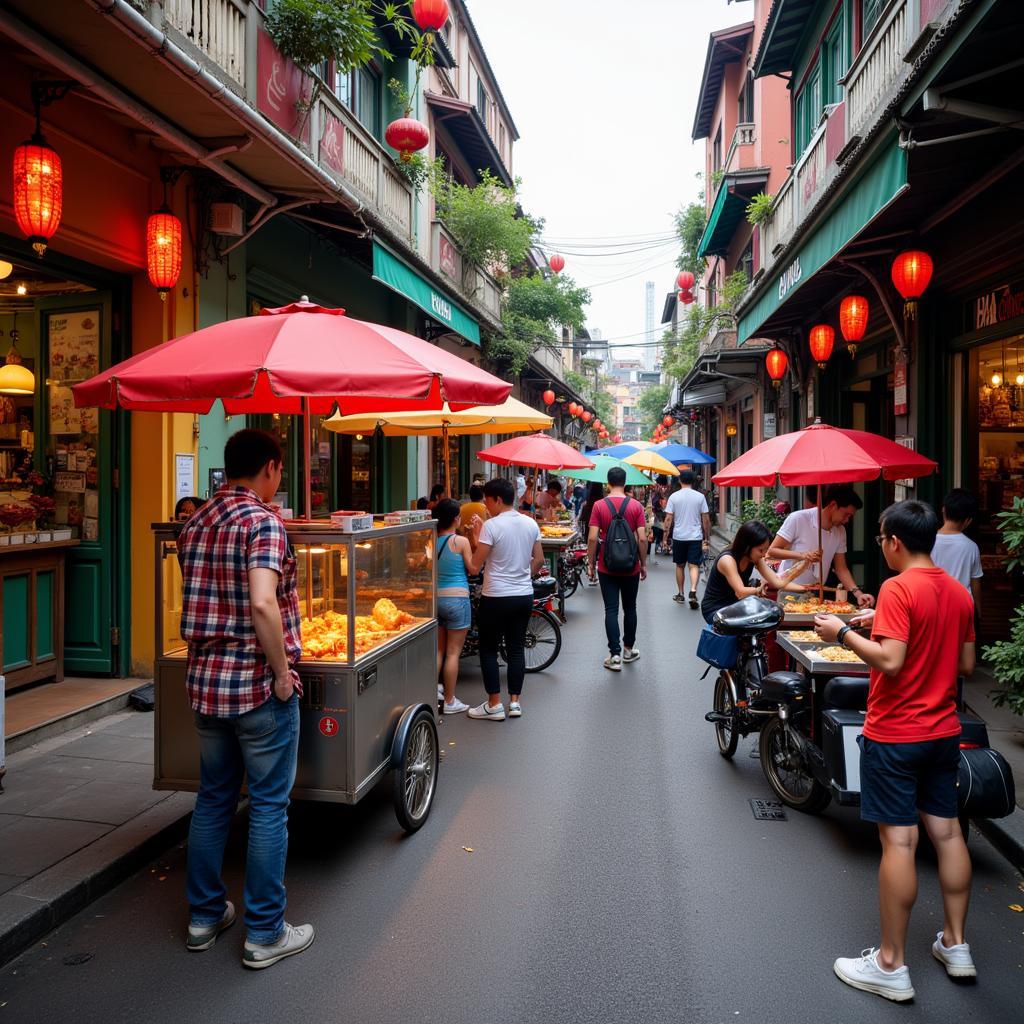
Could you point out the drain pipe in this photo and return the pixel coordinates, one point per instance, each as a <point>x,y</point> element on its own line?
<point>121,101</point>
<point>132,22</point>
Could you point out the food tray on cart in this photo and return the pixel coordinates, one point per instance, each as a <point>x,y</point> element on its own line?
<point>821,658</point>
<point>801,609</point>
<point>557,536</point>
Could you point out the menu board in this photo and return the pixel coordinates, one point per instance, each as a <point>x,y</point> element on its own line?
<point>74,345</point>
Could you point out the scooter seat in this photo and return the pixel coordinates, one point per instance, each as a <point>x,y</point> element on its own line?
<point>750,616</point>
<point>544,587</point>
<point>847,693</point>
<point>785,686</point>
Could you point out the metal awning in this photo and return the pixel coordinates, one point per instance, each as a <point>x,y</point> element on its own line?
<point>709,379</point>
<point>734,194</point>
<point>724,47</point>
<point>467,128</point>
<point>787,22</point>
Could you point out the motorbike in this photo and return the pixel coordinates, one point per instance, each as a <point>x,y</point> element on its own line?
<point>807,737</point>
<point>572,565</point>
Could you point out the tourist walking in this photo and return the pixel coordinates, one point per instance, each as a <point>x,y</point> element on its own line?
<point>922,637</point>
<point>240,619</point>
<point>954,551</point>
<point>474,507</point>
<point>454,614</point>
<point>617,522</point>
<point>507,547</point>
<point>688,527</point>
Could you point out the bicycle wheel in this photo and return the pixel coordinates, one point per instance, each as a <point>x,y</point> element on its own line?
<point>569,580</point>
<point>725,704</point>
<point>543,640</point>
<point>788,773</point>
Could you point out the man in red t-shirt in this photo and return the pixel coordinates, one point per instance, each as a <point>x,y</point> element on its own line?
<point>922,636</point>
<point>622,584</point>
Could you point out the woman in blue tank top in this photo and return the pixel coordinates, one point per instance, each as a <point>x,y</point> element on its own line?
<point>454,614</point>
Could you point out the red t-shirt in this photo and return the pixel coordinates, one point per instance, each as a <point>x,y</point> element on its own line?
<point>601,517</point>
<point>933,615</point>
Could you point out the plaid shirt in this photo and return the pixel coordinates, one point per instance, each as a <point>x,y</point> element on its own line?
<point>228,673</point>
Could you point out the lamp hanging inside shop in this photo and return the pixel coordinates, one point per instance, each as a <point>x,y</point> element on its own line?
<point>822,340</point>
<point>556,263</point>
<point>408,136</point>
<point>731,430</point>
<point>776,361</point>
<point>853,321</point>
<point>911,274</point>
<point>430,16</point>
<point>15,377</point>
<point>548,396</point>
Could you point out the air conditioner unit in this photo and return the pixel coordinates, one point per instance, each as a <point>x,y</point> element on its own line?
<point>226,219</point>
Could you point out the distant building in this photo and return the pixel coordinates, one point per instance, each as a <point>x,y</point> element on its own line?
<point>651,357</point>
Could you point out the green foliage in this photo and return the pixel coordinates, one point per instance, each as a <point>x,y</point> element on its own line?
<point>690,222</point>
<point>759,207</point>
<point>682,349</point>
<point>651,406</point>
<point>716,180</point>
<point>763,510</point>
<point>417,170</point>
<point>1007,656</point>
<point>508,352</point>
<point>733,289</point>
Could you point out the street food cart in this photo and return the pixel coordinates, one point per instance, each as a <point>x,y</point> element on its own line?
<point>368,671</point>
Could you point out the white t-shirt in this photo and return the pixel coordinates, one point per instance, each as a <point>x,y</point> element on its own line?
<point>959,556</point>
<point>800,533</point>
<point>520,487</point>
<point>511,536</point>
<point>686,506</point>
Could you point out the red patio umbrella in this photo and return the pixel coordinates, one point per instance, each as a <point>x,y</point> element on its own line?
<point>820,454</point>
<point>540,450</point>
<point>301,358</point>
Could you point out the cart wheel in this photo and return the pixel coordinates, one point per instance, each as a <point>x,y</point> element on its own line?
<point>726,733</point>
<point>543,640</point>
<point>416,775</point>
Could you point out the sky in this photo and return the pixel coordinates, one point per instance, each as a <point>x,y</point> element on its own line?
<point>603,94</point>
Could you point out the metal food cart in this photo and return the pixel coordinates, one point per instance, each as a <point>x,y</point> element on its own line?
<point>554,548</point>
<point>369,669</point>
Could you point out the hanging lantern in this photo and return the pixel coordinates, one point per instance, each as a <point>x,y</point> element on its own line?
<point>686,297</point>
<point>775,362</point>
<point>430,16</point>
<point>587,416</point>
<point>731,430</point>
<point>853,320</point>
<point>407,135</point>
<point>668,421</point>
<point>556,263</point>
<point>822,340</point>
<point>686,281</point>
<point>38,191</point>
<point>574,409</point>
<point>163,250</point>
<point>912,273</point>
<point>548,396</point>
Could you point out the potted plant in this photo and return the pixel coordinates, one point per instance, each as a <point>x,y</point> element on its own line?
<point>1007,656</point>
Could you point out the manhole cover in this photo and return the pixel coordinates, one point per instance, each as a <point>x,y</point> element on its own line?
<point>768,810</point>
<point>77,958</point>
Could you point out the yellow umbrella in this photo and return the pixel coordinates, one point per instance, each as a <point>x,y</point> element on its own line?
<point>651,462</point>
<point>511,417</point>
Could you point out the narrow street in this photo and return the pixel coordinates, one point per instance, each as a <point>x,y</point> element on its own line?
<point>616,874</point>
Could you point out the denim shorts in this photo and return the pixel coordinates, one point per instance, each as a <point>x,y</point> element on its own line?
<point>454,612</point>
<point>897,780</point>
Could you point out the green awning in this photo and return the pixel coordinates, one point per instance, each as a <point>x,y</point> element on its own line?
<point>863,201</point>
<point>734,195</point>
<point>399,277</point>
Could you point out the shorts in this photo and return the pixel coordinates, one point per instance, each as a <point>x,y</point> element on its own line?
<point>687,551</point>
<point>454,612</point>
<point>897,780</point>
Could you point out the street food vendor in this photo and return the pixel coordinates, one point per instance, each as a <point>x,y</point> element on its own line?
<point>551,498</point>
<point>797,541</point>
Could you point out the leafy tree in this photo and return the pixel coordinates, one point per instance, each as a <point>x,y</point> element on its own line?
<point>690,222</point>
<point>651,406</point>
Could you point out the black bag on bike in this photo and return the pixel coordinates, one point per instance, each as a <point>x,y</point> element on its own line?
<point>985,784</point>
<point>621,551</point>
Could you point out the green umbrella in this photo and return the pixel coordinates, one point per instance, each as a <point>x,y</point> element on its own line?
<point>599,474</point>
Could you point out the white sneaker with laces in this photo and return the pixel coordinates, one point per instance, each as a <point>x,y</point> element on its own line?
<point>293,939</point>
<point>495,714</point>
<point>956,959</point>
<point>613,662</point>
<point>515,709</point>
<point>864,973</point>
<point>456,707</point>
<point>631,654</point>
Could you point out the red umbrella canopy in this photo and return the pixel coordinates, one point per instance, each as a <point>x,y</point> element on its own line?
<point>540,450</point>
<point>820,454</point>
<point>271,362</point>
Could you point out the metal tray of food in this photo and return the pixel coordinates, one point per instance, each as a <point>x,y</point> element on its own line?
<point>801,609</point>
<point>823,659</point>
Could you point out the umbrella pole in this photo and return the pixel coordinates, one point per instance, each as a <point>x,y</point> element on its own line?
<point>447,461</point>
<point>821,557</point>
<point>307,425</point>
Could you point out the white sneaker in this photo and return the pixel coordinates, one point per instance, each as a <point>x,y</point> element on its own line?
<point>630,654</point>
<point>956,959</point>
<point>864,973</point>
<point>456,707</point>
<point>294,939</point>
<point>515,709</point>
<point>495,714</point>
<point>614,662</point>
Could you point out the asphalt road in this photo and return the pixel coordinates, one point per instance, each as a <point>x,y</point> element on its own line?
<point>617,875</point>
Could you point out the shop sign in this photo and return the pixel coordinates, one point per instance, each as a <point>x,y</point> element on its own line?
<point>447,258</point>
<point>1006,302</point>
<point>909,443</point>
<point>283,91</point>
<point>789,278</point>
<point>332,142</point>
<point>900,389</point>
<point>770,427</point>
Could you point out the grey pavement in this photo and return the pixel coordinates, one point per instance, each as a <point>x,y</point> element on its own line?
<point>617,874</point>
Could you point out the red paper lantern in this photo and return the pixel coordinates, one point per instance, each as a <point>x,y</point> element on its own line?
<point>430,15</point>
<point>548,396</point>
<point>556,263</point>
<point>38,191</point>
<point>163,250</point>
<point>574,409</point>
<point>686,281</point>
<point>912,273</point>
<point>822,340</point>
<point>853,320</point>
<point>587,415</point>
<point>407,135</point>
<point>776,361</point>
<point>668,421</point>
<point>686,298</point>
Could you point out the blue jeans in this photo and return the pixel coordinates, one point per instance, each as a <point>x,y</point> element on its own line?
<point>263,744</point>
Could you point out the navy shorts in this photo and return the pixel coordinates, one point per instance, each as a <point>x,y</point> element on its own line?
<point>897,780</point>
<point>687,551</point>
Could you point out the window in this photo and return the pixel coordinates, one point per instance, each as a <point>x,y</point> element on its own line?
<point>716,152</point>
<point>834,62</point>
<point>746,263</point>
<point>808,109</point>
<point>368,100</point>
<point>870,12</point>
<point>343,87</point>
<point>745,113</point>
<point>482,100</point>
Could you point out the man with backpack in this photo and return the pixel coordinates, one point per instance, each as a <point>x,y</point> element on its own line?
<point>619,524</point>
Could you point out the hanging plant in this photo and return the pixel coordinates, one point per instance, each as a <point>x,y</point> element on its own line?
<point>759,207</point>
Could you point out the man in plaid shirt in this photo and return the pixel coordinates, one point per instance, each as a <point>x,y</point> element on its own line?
<point>240,618</point>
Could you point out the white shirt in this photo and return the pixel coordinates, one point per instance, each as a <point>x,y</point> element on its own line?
<point>520,487</point>
<point>959,556</point>
<point>800,533</point>
<point>511,536</point>
<point>686,506</point>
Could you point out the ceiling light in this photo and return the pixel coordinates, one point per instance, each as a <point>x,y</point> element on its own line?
<point>1020,379</point>
<point>997,379</point>
<point>22,289</point>
<point>6,269</point>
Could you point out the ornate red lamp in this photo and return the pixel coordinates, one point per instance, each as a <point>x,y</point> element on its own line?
<point>853,320</point>
<point>38,193</point>
<point>587,416</point>
<point>430,16</point>
<point>669,421</point>
<point>912,273</point>
<point>822,339</point>
<point>686,281</point>
<point>686,297</point>
<point>163,250</point>
<point>556,263</point>
<point>775,362</point>
<point>548,396</point>
<point>407,135</point>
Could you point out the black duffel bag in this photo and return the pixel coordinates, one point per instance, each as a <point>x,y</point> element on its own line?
<point>985,784</point>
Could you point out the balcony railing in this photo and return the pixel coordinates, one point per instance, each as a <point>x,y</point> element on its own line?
<point>741,149</point>
<point>217,27</point>
<point>471,281</point>
<point>878,66</point>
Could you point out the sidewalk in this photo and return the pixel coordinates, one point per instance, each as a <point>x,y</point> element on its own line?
<point>78,815</point>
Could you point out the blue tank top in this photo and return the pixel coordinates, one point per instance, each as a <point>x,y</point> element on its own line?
<point>451,569</point>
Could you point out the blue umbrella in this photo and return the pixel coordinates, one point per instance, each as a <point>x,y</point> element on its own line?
<point>620,451</point>
<point>682,454</point>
